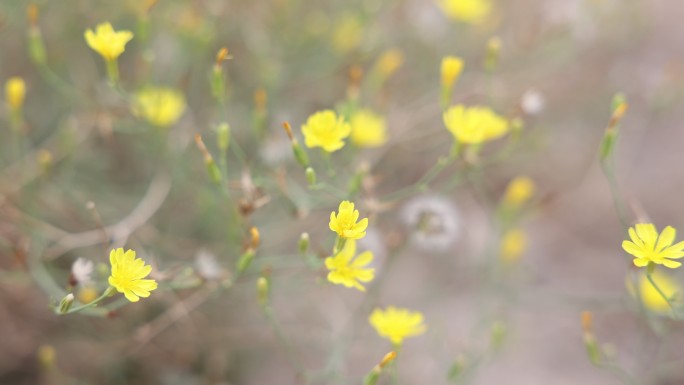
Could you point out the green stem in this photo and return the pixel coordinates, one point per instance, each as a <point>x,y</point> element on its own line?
<point>113,72</point>
<point>109,291</point>
<point>429,176</point>
<point>291,355</point>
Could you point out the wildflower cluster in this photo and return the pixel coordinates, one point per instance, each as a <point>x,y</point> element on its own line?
<point>413,153</point>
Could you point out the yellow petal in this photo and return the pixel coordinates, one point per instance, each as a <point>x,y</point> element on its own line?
<point>647,233</point>
<point>640,262</point>
<point>633,249</point>
<point>666,238</point>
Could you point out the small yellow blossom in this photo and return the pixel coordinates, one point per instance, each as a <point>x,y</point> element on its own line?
<point>326,130</point>
<point>128,273</point>
<point>160,106</point>
<point>649,295</point>
<point>87,294</point>
<point>46,356</point>
<point>513,245</point>
<point>368,129</point>
<point>647,245</point>
<point>519,191</point>
<point>451,69</point>
<point>474,125</point>
<point>350,271</point>
<point>389,62</point>
<point>345,222</point>
<point>15,92</point>
<point>347,33</point>
<point>396,324</point>
<point>110,44</point>
<point>469,11</point>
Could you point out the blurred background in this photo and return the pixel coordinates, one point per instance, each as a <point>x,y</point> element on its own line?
<point>82,172</point>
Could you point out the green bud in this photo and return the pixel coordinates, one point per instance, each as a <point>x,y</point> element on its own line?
<point>493,53</point>
<point>607,144</point>
<point>498,335</point>
<point>245,260</point>
<point>457,368</point>
<point>303,244</point>
<point>214,171</point>
<point>593,351</point>
<point>618,100</point>
<point>223,131</point>
<point>218,85</point>
<point>66,303</point>
<point>372,377</point>
<point>36,46</point>
<point>310,176</point>
<point>300,154</point>
<point>263,289</point>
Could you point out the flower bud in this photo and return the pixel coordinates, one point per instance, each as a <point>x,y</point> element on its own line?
<point>36,47</point>
<point>255,238</point>
<point>303,243</point>
<point>493,53</point>
<point>263,290</point>
<point>245,260</point>
<point>66,303</point>
<point>310,176</point>
<point>519,191</point>
<point>46,356</point>
<point>223,133</point>
<point>15,93</point>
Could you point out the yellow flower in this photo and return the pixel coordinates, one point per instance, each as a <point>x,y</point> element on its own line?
<point>347,33</point>
<point>451,69</point>
<point>650,296</point>
<point>128,273</point>
<point>15,92</point>
<point>344,271</point>
<point>469,11</point>
<point>110,44</point>
<point>325,129</point>
<point>519,190</point>
<point>647,245</point>
<point>368,129</point>
<point>396,324</point>
<point>160,106</point>
<point>86,294</point>
<point>344,223</point>
<point>389,62</point>
<point>513,245</point>
<point>474,125</point>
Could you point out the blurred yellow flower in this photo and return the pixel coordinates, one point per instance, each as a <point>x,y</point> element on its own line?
<point>396,324</point>
<point>326,130</point>
<point>451,68</point>
<point>344,271</point>
<point>344,223</point>
<point>15,92</point>
<point>513,245</point>
<point>647,245</point>
<point>368,129</point>
<point>160,106</point>
<point>347,33</point>
<point>469,11</point>
<point>108,43</point>
<point>128,273</point>
<point>389,62</point>
<point>519,191</point>
<point>474,125</point>
<point>87,294</point>
<point>649,294</point>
